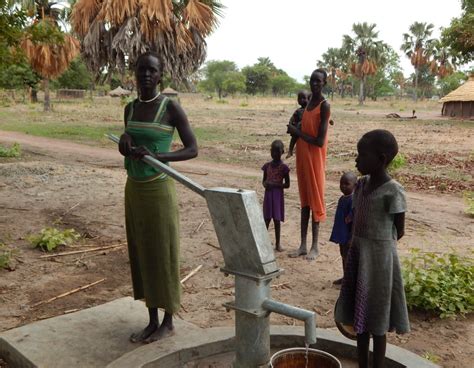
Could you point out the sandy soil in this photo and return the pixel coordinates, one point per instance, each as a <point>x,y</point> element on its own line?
<point>81,187</point>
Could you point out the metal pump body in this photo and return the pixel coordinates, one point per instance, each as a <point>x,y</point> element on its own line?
<point>248,255</point>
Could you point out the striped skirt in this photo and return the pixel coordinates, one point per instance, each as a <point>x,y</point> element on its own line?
<point>152,223</point>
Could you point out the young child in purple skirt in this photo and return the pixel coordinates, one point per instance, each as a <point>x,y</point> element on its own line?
<point>276,177</point>
<point>342,228</point>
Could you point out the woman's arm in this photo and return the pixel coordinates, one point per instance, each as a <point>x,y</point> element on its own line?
<point>399,222</point>
<point>126,141</point>
<point>322,131</point>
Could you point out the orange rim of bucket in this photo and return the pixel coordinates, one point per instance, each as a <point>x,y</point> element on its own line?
<point>347,331</point>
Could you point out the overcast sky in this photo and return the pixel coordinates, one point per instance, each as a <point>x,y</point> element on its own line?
<point>295,33</point>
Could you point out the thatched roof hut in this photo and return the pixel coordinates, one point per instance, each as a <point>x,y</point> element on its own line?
<point>460,102</point>
<point>119,92</point>
<point>170,92</point>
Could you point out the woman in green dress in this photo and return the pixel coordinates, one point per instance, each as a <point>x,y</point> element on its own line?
<point>151,210</point>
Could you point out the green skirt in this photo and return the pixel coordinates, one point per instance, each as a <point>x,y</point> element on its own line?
<point>152,221</point>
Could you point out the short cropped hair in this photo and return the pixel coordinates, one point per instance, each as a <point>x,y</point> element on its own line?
<point>152,54</point>
<point>323,72</point>
<point>278,144</point>
<point>383,142</point>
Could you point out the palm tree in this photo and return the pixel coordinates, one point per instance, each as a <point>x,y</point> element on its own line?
<point>114,33</point>
<point>48,49</point>
<point>331,60</point>
<point>366,51</point>
<point>444,60</point>
<point>398,79</point>
<point>417,46</point>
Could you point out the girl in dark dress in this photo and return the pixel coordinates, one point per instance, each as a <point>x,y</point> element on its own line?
<point>276,177</point>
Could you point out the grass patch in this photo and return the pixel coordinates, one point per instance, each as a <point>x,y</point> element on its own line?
<point>50,238</point>
<point>6,256</point>
<point>443,283</point>
<point>78,132</point>
<point>13,151</point>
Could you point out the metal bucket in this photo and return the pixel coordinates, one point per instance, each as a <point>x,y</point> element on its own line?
<point>296,358</point>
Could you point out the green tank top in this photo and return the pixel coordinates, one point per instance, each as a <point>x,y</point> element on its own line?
<point>153,135</point>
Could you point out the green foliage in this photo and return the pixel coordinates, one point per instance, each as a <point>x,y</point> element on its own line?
<point>443,284</point>
<point>233,83</point>
<point>460,33</point>
<point>451,82</point>
<point>469,198</point>
<point>12,21</point>
<point>18,75</point>
<point>431,357</point>
<point>50,238</point>
<point>6,255</point>
<point>397,163</point>
<point>282,84</point>
<point>75,77</point>
<point>14,151</point>
<point>46,31</point>
<point>222,77</point>
<point>257,78</point>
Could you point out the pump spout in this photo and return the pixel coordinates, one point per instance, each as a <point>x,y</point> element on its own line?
<point>308,317</point>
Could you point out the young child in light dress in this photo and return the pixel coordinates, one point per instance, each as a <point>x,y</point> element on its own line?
<point>372,298</point>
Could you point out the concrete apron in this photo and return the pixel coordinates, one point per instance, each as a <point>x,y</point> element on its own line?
<point>99,337</point>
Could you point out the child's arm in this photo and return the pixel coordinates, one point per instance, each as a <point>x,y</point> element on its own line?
<point>399,222</point>
<point>286,181</point>
<point>264,180</point>
<point>292,146</point>
<point>323,128</point>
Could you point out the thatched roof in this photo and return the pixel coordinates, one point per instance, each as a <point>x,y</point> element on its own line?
<point>169,91</point>
<point>464,92</point>
<point>119,91</point>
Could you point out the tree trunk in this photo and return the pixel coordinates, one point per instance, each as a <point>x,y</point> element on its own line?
<point>47,103</point>
<point>416,85</point>
<point>33,95</point>
<point>361,91</point>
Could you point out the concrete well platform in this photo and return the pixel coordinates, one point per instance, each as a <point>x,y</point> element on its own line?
<point>99,337</point>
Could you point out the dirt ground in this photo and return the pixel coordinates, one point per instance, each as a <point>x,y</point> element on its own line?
<point>70,185</point>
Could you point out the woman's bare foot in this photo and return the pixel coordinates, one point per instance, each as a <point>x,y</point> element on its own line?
<point>144,334</point>
<point>302,251</point>
<point>313,254</point>
<point>162,332</point>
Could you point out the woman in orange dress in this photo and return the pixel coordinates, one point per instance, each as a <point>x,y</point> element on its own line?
<point>311,149</point>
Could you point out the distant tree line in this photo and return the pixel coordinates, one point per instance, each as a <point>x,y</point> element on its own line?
<point>35,48</point>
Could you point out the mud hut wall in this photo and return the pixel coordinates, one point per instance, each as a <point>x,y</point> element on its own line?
<point>459,109</point>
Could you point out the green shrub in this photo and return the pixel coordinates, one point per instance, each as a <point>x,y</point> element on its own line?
<point>50,238</point>
<point>443,284</point>
<point>469,198</point>
<point>398,162</point>
<point>14,151</point>
<point>6,254</point>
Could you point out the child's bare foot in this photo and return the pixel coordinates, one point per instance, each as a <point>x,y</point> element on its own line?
<point>144,334</point>
<point>278,248</point>
<point>161,333</point>
<point>289,155</point>
<point>313,254</point>
<point>337,282</point>
<point>302,251</point>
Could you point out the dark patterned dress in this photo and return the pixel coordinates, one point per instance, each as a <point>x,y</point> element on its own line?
<point>273,202</point>
<point>372,297</point>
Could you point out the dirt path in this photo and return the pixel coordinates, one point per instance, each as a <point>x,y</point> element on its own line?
<point>83,186</point>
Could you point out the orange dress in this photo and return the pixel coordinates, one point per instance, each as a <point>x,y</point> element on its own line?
<point>311,166</point>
